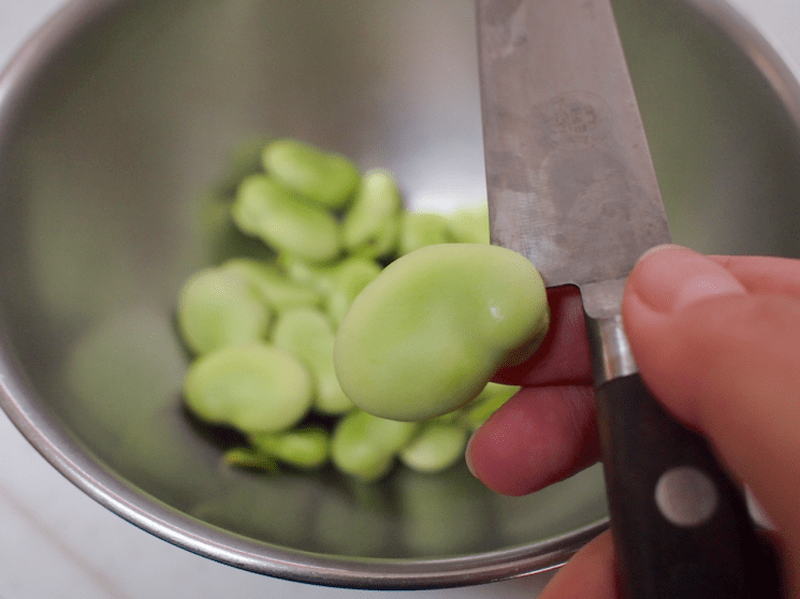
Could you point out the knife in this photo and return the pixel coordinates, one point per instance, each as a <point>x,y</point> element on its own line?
<point>571,186</point>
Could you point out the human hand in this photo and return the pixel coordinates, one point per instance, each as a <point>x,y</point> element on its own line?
<point>717,340</point>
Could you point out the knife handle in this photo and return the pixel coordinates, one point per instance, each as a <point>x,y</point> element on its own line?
<point>681,526</point>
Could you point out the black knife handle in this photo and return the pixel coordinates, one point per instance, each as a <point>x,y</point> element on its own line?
<point>681,526</point>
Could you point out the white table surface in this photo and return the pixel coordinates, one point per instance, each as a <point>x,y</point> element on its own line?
<point>55,542</point>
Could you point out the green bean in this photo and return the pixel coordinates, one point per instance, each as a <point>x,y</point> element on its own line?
<point>284,220</point>
<point>304,448</point>
<point>326,178</point>
<point>217,307</point>
<point>337,282</point>
<point>253,387</point>
<point>245,457</point>
<point>308,335</point>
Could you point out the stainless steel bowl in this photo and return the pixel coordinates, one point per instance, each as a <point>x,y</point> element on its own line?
<point>121,124</point>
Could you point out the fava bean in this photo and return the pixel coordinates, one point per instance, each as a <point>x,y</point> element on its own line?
<point>370,227</point>
<point>307,334</point>
<point>470,225</point>
<point>326,178</point>
<point>426,335</point>
<point>412,344</point>
<point>283,219</point>
<point>487,403</point>
<point>418,229</point>
<point>305,448</point>
<point>336,282</point>
<point>436,447</point>
<point>365,446</point>
<point>277,289</point>
<point>319,277</point>
<point>246,457</point>
<point>217,307</point>
<point>253,387</point>
<point>349,280</point>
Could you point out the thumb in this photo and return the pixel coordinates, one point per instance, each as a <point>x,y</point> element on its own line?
<point>726,361</point>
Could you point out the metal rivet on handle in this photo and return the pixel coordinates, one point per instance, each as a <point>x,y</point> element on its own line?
<point>686,496</point>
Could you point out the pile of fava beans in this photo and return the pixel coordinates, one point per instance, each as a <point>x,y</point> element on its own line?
<point>261,332</point>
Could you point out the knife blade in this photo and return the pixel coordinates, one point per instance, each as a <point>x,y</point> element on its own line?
<point>571,186</point>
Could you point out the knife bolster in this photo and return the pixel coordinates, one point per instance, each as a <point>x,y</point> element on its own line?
<point>611,352</point>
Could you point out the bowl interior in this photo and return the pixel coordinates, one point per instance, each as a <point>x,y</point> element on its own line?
<point>118,152</point>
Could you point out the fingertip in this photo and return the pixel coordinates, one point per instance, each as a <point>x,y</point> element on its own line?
<point>668,278</point>
<point>540,436</point>
<point>589,572</point>
<point>665,282</point>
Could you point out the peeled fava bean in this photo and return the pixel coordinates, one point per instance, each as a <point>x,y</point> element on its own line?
<point>307,334</point>
<point>365,446</point>
<point>470,225</point>
<point>304,448</point>
<point>318,277</point>
<point>274,286</point>
<point>371,225</point>
<point>436,447</point>
<point>217,307</point>
<point>427,334</point>
<point>493,396</point>
<point>418,229</point>
<point>326,178</point>
<point>285,220</point>
<point>350,279</point>
<point>254,387</point>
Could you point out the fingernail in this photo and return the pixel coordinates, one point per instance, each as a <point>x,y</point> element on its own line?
<point>468,457</point>
<point>670,277</point>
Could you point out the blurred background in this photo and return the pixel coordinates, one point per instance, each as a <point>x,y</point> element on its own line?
<point>57,542</point>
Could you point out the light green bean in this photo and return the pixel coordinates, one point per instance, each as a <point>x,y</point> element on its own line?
<point>217,307</point>
<point>350,278</point>
<point>275,286</point>
<point>365,446</point>
<point>418,229</point>
<point>254,387</point>
<point>327,178</point>
<point>370,227</point>
<point>426,335</point>
<point>284,220</point>
<point>493,396</point>
<point>436,447</point>
<point>307,334</point>
<point>470,225</point>
<point>305,448</point>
